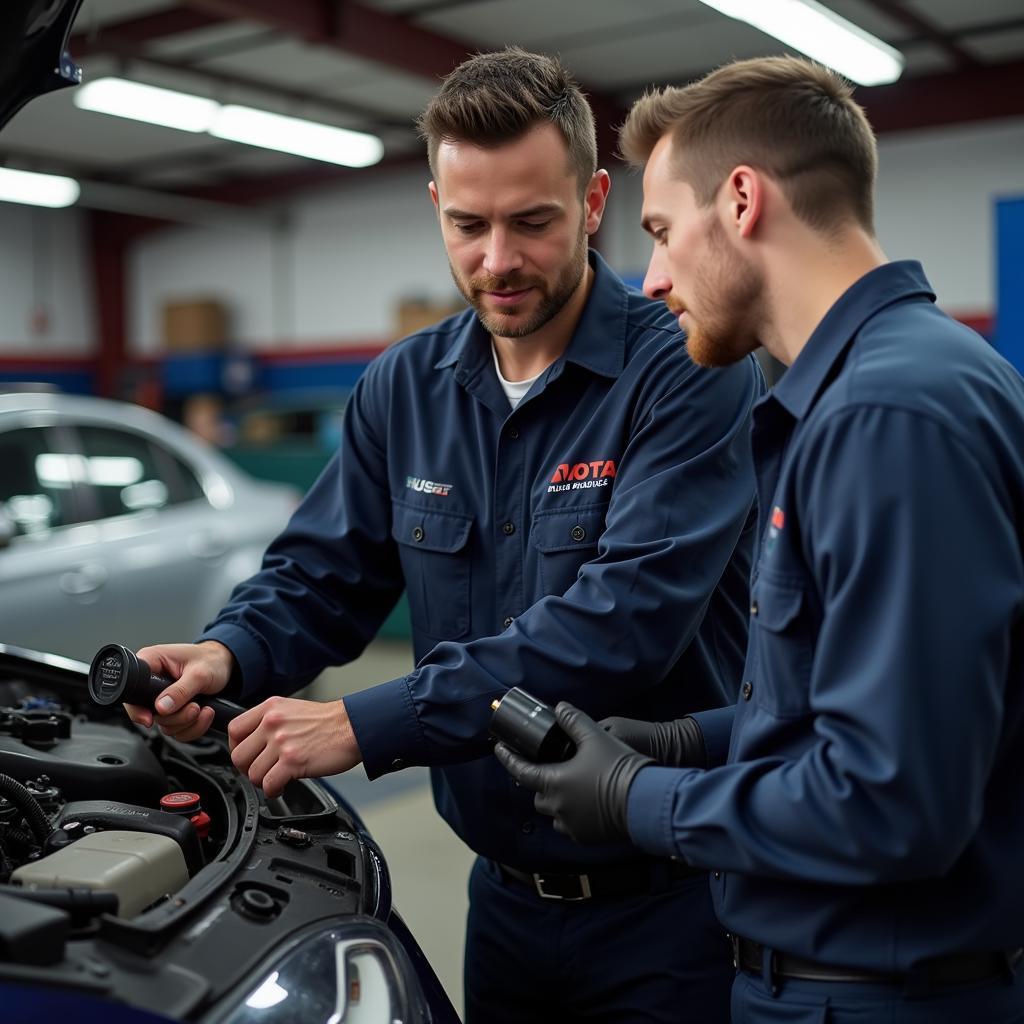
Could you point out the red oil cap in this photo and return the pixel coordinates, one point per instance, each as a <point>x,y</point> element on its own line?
<point>180,803</point>
<point>202,823</point>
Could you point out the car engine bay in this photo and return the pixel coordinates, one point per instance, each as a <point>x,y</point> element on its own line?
<point>148,871</point>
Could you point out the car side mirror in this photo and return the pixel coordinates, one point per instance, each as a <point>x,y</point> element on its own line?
<point>8,527</point>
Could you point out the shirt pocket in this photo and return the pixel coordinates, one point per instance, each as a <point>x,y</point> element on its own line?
<point>434,550</point>
<point>782,633</point>
<point>565,541</point>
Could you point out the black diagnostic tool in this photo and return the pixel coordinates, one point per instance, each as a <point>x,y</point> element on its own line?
<point>118,675</point>
<point>529,727</point>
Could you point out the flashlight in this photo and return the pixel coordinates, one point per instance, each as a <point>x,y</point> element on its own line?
<point>118,674</point>
<point>529,727</point>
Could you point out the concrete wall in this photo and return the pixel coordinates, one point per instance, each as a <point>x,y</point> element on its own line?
<point>46,305</point>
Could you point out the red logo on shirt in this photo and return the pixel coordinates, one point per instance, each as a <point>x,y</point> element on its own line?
<point>778,518</point>
<point>596,470</point>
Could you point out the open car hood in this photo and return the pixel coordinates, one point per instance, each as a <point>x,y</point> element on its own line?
<point>33,59</point>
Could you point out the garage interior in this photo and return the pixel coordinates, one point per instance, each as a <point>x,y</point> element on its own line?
<point>192,273</point>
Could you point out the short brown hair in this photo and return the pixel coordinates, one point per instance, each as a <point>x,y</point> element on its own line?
<point>791,118</point>
<point>494,98</point>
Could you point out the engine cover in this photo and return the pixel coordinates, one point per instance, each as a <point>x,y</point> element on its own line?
<point>95,760</point>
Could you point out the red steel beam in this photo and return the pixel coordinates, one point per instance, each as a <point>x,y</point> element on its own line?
<point>929,30</point>
<point>932,101</point>
<point>138,31</point>
<point>110,235</point>
<point>358,30</point>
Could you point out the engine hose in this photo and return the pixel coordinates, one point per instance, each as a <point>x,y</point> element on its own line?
<point>31,809</point>
<point>17,835</point>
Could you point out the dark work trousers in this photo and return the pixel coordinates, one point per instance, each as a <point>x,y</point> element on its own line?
<point>816,1002</point>
<point>653,957</point>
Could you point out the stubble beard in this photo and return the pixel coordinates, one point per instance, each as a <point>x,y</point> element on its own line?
<point>552,301</point>
<point>732,294</point>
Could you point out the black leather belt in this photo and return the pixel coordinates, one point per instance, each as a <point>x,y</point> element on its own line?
<point>620,880</point>
<point>956,969</point>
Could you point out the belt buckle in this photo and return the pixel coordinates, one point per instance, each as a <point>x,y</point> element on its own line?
<point>538,883</point>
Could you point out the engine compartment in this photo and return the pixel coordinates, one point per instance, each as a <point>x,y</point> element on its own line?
<point>166,906</point>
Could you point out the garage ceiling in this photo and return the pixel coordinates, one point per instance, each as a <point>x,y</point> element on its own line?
<point>372,65</point>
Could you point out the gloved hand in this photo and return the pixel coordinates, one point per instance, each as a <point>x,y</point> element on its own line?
<point>678,744</point>
<point>586,795</point>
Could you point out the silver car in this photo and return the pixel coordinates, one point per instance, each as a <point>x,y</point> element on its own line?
<point>118,525</point>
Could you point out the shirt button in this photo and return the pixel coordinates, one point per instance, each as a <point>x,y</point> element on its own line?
<point>578,533</point>
<point>747,689</point>
<point>398,764</point>
<point>753,608</point>
<point>418,534</point>
<point>507,622</point>
<point>717,875</point>
<point>508,529</point>
<point>526,828</point>
<point>513,432</point>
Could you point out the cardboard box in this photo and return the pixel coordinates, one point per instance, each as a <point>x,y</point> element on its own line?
<point>412,315</point>
<point>198,325</point>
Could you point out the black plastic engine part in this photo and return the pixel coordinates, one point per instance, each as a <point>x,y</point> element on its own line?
<point>95,758</point>
<point>34,815</point>
<point>31,933</point>
<point>82,904</point>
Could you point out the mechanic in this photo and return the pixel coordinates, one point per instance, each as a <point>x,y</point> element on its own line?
<point>864,820</point>
<point>567,499</point>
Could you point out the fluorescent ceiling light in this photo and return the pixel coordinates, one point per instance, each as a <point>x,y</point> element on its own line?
<point>147,103</point>
<point>261,128</point>
<point>298,136</point>
<point>37,189</point>
<point>822,34</point>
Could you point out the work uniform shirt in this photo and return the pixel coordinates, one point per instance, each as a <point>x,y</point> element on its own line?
<point>871,813</point>
<point>586,546</point>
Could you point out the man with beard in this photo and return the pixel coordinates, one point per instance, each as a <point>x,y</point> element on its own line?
<point>564,495</point>
<point>863,813</point>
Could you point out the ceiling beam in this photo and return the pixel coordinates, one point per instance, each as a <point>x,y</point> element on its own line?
<point>386,39</point>
<point>926,29</point>
<point>146,28</point>
<point>932,101</point>
<point>361,31</point>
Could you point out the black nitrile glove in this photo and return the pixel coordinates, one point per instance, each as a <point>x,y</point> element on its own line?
<point>586,795</point>
<point>678,744</point>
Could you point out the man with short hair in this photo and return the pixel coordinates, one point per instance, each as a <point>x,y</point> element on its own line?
<point>863,815</point>
<point>563,494</point>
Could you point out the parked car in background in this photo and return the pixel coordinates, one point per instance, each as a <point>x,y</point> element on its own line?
<point>115,523</point>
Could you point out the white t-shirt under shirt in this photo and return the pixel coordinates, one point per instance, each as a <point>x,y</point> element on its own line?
<point>514,389</point>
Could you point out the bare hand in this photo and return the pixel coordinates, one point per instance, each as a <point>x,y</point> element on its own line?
<point>203,668</point>
<point>284,738</point>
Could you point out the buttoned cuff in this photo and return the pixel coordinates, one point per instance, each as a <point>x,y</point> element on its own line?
<point>250,658</point>
<point>386,727</point>
<point>649,810</point>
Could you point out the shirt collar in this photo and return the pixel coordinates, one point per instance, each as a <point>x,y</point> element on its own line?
<point>881,287</point>
<point>598,343</point>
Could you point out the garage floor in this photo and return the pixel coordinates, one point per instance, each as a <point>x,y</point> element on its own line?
<point>429,864</point>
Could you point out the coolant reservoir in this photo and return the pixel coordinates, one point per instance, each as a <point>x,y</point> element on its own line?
<point>139,867</point>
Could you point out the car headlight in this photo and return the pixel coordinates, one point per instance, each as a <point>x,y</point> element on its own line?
<point>355,973</point>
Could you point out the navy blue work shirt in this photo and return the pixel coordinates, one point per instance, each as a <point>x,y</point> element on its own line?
<point>589,545</point>
<point>871,811</point>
